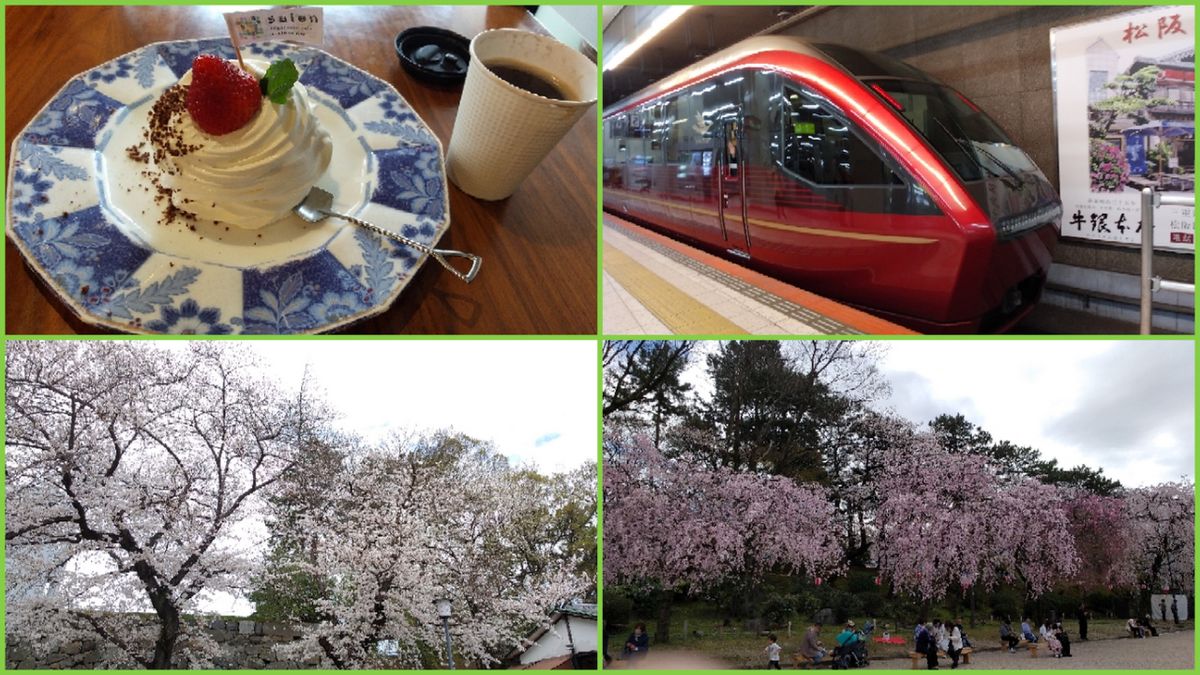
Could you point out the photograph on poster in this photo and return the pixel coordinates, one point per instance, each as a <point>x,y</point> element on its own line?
<point>1131,78</point>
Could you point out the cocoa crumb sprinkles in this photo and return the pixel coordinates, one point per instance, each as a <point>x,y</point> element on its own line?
<point>136,153</point>
<point>166,140</point>
<point>163,131</point>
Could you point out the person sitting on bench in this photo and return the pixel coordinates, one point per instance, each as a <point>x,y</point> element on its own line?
<point>1149,626</point>
<point>1006,635</point>
<point>1060,634</point>
<point>812,648</point>
<point>1027,631</point>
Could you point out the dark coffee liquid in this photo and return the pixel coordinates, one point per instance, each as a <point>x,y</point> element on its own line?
<point>519,75</point>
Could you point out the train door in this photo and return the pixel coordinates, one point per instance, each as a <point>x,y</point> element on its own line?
<point>732,176</point>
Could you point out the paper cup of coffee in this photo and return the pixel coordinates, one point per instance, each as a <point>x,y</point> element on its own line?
<point>523,92</point>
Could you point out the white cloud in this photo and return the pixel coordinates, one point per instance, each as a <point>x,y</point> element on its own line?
<point>511,392</point>
<point>1119,405</point>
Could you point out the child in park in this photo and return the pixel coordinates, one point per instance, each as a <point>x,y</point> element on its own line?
<point>773,649</point>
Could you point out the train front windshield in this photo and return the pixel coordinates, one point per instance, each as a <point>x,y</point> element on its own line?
<point>970,142</point>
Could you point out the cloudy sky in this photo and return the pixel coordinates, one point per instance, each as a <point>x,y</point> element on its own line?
<point>1125,406</point>
<point>536,399</point>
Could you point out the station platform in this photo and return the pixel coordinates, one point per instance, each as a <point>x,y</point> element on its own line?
<point>654,285</point>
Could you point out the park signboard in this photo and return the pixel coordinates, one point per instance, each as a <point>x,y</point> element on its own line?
<point>1125,113</point>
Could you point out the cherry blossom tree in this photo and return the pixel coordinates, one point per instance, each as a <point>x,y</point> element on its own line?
<point>947,521</point>
<point>1162,546</point>
<point>1101,528</point>
<point>678,523</point>
<point>428,517</point>
<point>129,470</point>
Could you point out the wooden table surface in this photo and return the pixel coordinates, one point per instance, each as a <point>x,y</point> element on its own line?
<point>539,246</point>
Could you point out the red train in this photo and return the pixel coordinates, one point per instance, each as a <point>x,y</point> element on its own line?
<point>849,173</point>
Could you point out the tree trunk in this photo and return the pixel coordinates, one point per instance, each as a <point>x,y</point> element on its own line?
<point>862,534</point>
<point>168,635</point>
<point>662,631</point>
<point>164,607</point>
<point>972,605</point>
<point>661,416</point>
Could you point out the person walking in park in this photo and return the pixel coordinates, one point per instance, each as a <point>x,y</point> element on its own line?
<point>1006,635</point>
<point>638,644</point>
<point>1083,615</point>
<point>1162,609</point>
<point>812,648</point>
<point>772,651</point>
<point>1174,610</point>
<point>927,644</point>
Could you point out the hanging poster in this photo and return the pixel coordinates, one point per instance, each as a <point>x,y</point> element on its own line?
<point>1125,110</point>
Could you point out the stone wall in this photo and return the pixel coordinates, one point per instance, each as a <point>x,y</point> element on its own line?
<point>244,644</point>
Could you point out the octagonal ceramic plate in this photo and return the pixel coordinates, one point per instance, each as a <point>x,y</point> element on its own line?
<point>79,212</point>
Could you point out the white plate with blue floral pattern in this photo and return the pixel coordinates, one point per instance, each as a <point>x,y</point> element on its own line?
<point>78,210</point>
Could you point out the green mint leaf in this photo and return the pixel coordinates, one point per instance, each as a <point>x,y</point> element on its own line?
<point>279,80</point>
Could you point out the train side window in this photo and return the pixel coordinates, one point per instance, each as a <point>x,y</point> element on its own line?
<point>814,144</point>
<point>615,127</point>
<point>656,151</point>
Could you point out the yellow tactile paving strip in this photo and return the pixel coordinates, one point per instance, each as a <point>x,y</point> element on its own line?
<point>680,312</point>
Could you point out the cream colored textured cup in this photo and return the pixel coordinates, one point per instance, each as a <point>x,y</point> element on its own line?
<point>502,131</point>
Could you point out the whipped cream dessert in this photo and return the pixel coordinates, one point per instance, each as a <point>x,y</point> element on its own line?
<point>249,177</point>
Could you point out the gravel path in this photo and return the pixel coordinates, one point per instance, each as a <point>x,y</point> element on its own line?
<point>670,659</point>
<point>1169,650</point>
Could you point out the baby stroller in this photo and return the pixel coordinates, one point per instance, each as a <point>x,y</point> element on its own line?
<point>853,654</point>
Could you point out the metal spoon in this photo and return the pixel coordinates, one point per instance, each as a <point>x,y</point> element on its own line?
<point>316,207</point>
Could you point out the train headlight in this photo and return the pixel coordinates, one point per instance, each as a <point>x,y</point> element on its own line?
<point>1010,226</point>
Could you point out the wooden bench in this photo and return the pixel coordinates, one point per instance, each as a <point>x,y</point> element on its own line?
<point>802,661</point>
<point>917,656</point>
<point>1033,647</point>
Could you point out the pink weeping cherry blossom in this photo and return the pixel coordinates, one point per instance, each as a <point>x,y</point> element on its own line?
<point>1162,538</point>
<point>675,522</point>
<point>946,517</point>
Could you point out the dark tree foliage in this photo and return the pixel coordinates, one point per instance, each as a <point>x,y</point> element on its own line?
<point>763,414</point>
<point>1081,477</point>
<point>638,371</point>
<point>957,434</point>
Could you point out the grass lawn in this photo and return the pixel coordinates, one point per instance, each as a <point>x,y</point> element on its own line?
<point>746,649</point>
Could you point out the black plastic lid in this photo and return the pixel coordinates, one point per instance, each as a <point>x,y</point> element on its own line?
<point>434,55</point>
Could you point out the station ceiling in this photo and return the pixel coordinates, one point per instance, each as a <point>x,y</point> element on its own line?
<point>700,32</point>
